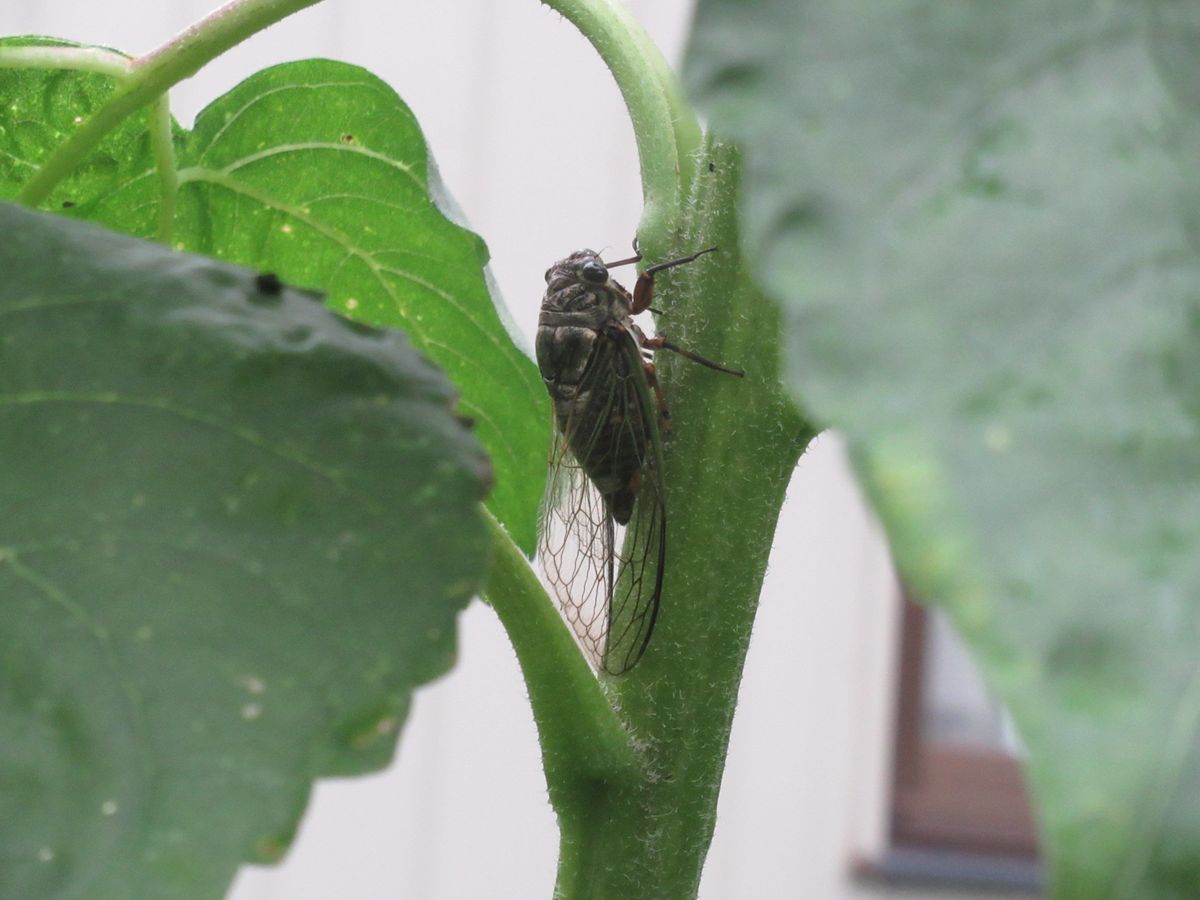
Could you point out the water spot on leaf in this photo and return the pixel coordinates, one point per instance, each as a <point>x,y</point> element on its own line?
<point>998,437</point>
<point>253,684</point>
<point>457,589</point>
<point>380,729</point>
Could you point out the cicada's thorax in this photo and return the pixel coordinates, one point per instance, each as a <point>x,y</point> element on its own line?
<point>588,358</point>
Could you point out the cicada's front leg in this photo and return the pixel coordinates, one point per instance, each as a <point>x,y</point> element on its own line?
<point>643,290</point>
<point>643,296</point>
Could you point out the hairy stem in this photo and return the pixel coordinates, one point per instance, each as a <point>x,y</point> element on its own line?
<point>582,739</point>
<point>164,160</point>
<point>735,445</point>
<point>150,76</point>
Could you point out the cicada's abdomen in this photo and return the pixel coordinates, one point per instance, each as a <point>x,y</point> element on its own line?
<point>589,379</point>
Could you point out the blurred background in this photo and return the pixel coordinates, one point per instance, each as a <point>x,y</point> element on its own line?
<point>867,758</point>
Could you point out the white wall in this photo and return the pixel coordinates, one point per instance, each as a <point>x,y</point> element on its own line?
<point>502,91</point>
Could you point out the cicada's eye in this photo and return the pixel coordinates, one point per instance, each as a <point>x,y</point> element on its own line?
<point>548,271</point>
<point>593,270</point>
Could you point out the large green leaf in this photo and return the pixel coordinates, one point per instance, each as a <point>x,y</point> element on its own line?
<point>981,218</point>
<point>236,532</point>
<point>315,170</point>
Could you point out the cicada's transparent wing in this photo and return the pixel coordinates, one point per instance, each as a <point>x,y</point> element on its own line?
<point>635,597</point>
<point>575,549</point>
<point>606,577</point>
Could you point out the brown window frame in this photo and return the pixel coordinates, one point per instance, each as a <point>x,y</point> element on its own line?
<point>959,814</point>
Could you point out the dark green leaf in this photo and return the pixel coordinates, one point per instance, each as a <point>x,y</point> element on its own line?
<point>317,171</point>
<point>236,532</point>
<point>981,218</point>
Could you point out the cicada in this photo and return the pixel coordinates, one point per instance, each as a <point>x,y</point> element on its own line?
<point>603,537</point>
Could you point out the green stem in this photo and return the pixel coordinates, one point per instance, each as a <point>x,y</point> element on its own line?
<point>150,76</point>
<point>582,739</point>
<point>587,754</point>
<point>80,59</point>
<point>164,160</point>
<point>664,125</point>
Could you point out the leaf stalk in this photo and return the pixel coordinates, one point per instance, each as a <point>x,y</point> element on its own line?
<point>150,76</point>
<point>583,740</point>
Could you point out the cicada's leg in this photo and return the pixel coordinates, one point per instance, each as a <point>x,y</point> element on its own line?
<point>664,414</point>
<point>643,290</point>
<point>662,343</point>
<point>646,345</point>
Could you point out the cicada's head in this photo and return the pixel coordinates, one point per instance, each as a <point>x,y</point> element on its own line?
<point>577,282</point>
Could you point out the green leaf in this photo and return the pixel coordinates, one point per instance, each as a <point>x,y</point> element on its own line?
<point>317,171</point>
<point>981,220</point>
<point>237,531</point>
<point>41,109</point>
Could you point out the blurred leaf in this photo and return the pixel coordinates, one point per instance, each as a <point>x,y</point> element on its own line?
<point>317,171</point>
<point>981,219</point>
<point>237,531</point>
